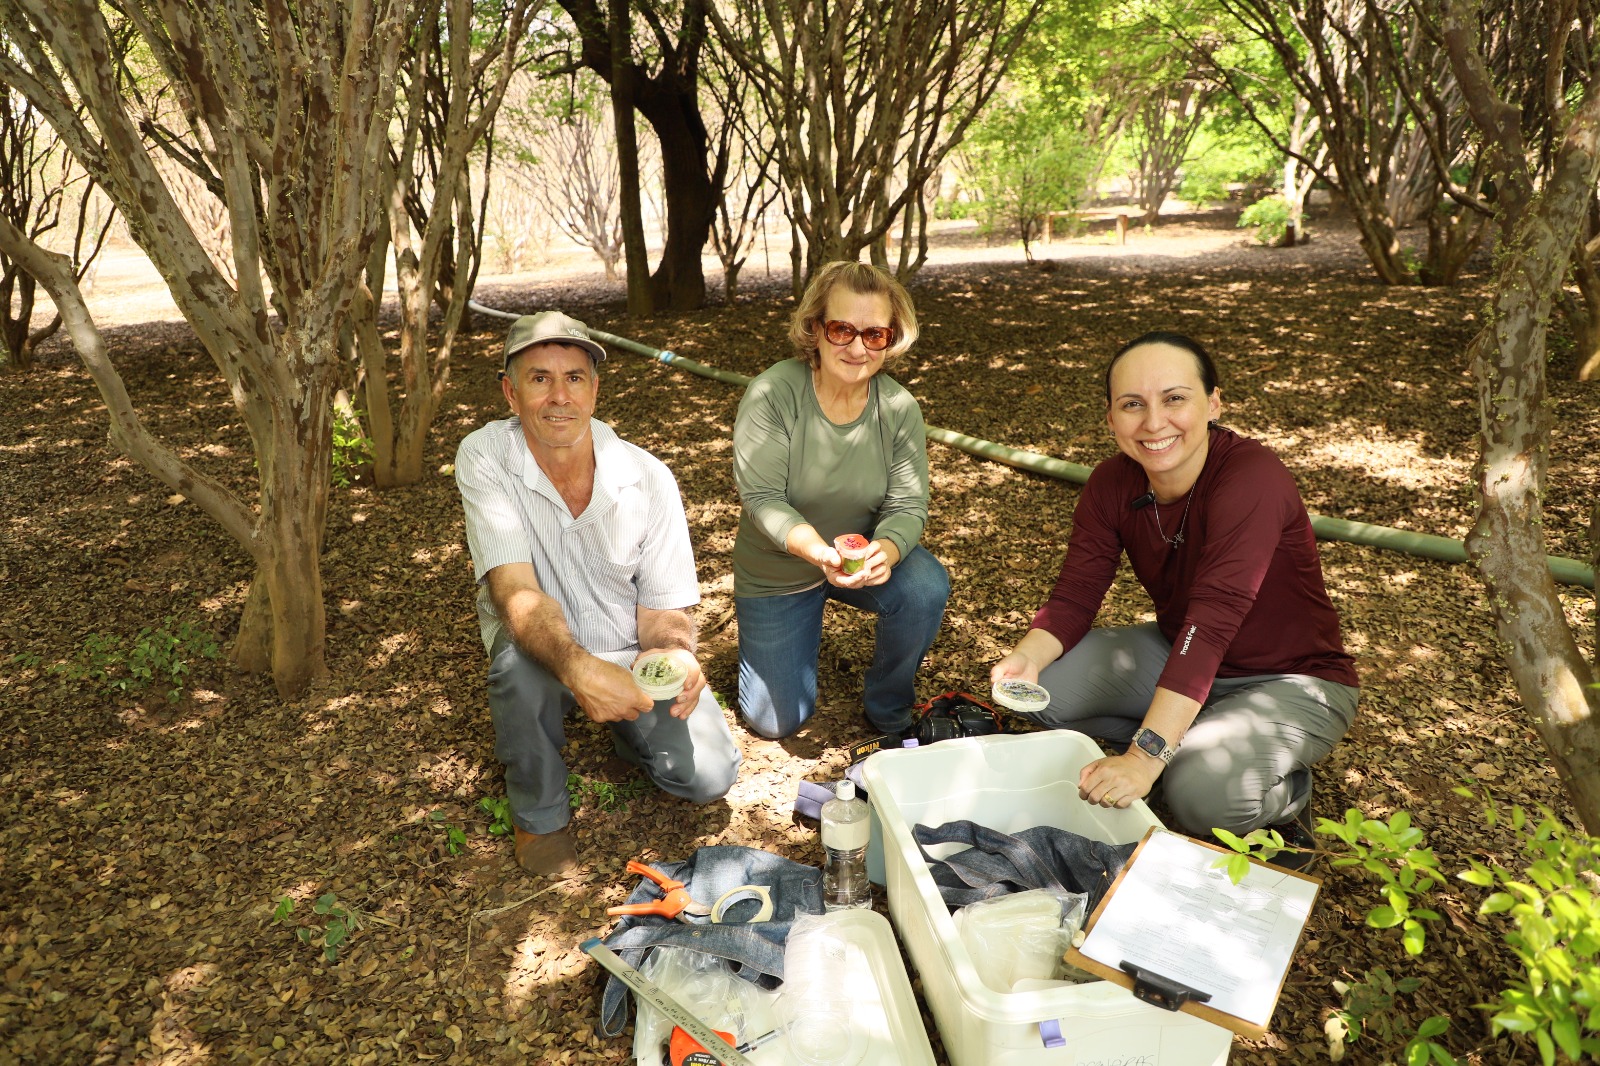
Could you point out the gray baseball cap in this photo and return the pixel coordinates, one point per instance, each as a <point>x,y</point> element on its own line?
<point>549,326</point>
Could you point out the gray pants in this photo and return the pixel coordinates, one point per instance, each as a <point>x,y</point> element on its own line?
<point>694,758</point>
<point>1244,763</point>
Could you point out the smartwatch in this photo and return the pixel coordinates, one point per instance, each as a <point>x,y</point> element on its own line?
<point>1152,743</point>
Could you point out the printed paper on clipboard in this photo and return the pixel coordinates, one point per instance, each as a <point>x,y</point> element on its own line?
<point>1173,913</point>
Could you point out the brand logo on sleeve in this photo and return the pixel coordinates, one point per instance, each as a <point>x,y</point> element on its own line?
<point>1187,638</point>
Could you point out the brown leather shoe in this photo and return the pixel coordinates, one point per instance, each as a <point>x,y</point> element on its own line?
<point>551,855</point>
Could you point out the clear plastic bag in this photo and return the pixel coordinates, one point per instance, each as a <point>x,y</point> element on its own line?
<point>1022,937</point>
<point>704,986</point>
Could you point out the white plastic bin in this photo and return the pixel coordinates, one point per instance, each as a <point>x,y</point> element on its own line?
<point>1010,783</point>
<point>888,1023</point>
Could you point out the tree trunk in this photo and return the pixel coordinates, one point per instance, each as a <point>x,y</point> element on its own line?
<point>16,285</point>
<point>1583,313</point>
<point>679,283</point>
<point>252,647</point>
<point>285,536</point>
<point>294,505</point>
<point>623,77</point>
<point>1556,684</point>
<point>1377,234</point>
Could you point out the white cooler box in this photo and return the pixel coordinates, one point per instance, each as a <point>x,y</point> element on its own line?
<point>1010,783</point>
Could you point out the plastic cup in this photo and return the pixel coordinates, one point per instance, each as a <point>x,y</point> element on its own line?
<point>661,676</point>
<point>1023,697</point>
<point>821,1033</point>
<point>852,549</point>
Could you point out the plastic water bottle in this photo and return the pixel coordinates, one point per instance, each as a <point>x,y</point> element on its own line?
<point>845,828</point>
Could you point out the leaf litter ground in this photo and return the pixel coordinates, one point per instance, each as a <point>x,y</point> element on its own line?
<point>147,845</point>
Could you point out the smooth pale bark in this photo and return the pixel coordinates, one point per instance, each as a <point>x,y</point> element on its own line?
<point>288,108</point>
<point>1164,126</point>
<point>1557,685</point>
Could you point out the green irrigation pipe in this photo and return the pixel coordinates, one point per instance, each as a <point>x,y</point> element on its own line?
<point>1426,545</point>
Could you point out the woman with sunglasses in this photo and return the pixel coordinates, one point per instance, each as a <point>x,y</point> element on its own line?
<point>824,446</point>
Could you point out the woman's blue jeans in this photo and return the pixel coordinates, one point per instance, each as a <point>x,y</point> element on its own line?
<point>779,637</point>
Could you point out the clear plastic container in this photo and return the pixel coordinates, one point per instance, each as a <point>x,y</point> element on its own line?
<point>815,1010</point>
<point>846,828</point>
<point>660,675</point>
<point>1023,697</point>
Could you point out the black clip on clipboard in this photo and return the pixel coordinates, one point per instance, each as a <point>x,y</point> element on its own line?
<point>1159,991</point>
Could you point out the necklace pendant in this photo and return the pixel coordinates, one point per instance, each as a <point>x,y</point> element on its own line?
<point>1177,539</point>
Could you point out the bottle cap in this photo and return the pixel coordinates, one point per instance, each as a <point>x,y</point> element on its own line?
<point>845,790</point>
<point>910,742</point>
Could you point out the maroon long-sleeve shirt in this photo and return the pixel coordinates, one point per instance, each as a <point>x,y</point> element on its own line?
<point>1241,595</point>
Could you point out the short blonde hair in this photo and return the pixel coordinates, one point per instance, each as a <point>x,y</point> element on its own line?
<point>805,326</point>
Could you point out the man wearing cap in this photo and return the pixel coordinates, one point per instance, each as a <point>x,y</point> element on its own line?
<point>583,561</point>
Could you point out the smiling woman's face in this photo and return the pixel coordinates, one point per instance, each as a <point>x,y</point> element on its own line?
<point>850,366</point>
<point>1159,414</point>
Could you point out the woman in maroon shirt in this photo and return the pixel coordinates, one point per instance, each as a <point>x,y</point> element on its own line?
<point>1242,683</point>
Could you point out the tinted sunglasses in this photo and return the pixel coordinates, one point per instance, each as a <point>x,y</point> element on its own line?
<point>875,338</point>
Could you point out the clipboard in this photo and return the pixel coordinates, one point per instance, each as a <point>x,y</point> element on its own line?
<point>1255,919</point>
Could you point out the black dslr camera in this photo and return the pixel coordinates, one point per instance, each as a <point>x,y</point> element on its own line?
<point>956,714</point>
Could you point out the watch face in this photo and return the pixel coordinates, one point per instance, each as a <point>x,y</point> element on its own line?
<point>1150,741</point>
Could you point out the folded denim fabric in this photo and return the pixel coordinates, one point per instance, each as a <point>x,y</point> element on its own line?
<point>754,951</point>
<point>996,864</point>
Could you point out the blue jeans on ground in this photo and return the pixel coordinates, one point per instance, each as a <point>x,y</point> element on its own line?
<point>779,637</point>
<point>694,758</point>
<point>1244,763</point>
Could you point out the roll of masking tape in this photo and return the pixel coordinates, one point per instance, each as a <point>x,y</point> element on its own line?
<point>735,896</point>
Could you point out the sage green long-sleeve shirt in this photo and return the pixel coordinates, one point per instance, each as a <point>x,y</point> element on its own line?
<point>793,466</point>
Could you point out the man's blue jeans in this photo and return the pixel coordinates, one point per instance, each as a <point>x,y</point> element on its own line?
<point>694,758</point>
<point>779,637</point>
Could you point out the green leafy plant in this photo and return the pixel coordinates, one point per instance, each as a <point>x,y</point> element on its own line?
<point>606,796</point>
<point>1270,216</point>
<point>352,448</point>
<point>1372,1007</point>
<point>498,808</point>
<point>1554,908</point>
<point>335,929</point>
<point>1395,854</point>
<point>455,838</point>
<point>159,656</point>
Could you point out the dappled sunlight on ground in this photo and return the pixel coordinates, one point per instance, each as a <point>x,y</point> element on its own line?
<point>231,799</point>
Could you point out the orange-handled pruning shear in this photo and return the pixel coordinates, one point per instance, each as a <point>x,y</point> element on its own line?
<point>675,900</point>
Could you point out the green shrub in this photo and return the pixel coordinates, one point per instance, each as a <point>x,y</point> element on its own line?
<point>159,656</point>
<point>1270,216</point>
<point>1553,905</point>
<point>352,448</point>
<point>1201,187</point>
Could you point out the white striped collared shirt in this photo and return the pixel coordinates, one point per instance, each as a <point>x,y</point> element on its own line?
<point>629,548</point>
